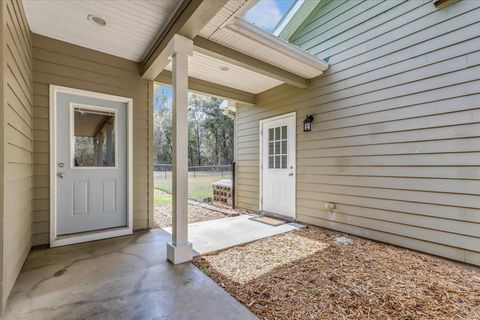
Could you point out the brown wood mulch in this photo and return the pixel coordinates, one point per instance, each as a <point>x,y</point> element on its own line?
<point>314,273</point>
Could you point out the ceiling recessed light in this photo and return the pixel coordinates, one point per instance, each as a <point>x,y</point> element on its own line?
<point>96,20</point>
<point>224,68</point>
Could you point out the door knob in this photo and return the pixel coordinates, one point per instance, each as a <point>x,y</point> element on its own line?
<point>61,175</point>
<point>290,174</point>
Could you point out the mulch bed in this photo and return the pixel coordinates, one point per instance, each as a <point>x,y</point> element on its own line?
<point>314,273</point>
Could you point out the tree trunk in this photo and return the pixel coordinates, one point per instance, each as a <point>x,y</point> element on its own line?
<point>198,146</point>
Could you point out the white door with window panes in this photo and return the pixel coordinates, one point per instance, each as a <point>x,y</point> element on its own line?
<point>278,165</point>
<point>91,164</point>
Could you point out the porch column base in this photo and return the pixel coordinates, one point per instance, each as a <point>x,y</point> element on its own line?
<point>179,254</point>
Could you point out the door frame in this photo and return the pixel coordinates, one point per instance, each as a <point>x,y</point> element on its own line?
<point>56,240</point>
<point>261,122</point>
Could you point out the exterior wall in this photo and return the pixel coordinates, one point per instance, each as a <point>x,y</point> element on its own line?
<point>59,63</point>
<point>16,142</point>
<point>396,136</point>
<point>2,144</point>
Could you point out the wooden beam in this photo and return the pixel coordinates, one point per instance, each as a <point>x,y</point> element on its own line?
<point>190,17</point>
<point>213,89</point>
<point>242,60</point>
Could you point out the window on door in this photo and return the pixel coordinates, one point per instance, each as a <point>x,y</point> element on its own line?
<point>94,138</point>
<point>277,148</point>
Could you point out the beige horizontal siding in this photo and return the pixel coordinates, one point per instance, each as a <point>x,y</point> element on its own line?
<point>17,142</point>
<point>396,136</point>
<point>59,63</point>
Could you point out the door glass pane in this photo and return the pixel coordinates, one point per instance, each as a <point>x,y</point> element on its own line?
<point>270,135</point>
<point>271,162</point>
<point>94,137</point>
<point>277,147</point>
<point>284,132</point>
<point>277,133</point>
<point>284,162</point>
<point>270,149</point>
<point>284,147</point>
<point>277,162</point>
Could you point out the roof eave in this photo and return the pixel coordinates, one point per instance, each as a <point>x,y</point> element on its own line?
<point>255,33</point>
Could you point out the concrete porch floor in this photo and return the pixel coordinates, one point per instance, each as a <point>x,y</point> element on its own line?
<point>120,278</point>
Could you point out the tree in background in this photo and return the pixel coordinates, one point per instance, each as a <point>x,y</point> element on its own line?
<point>210,130</point>
<point>219,127</point>
<point>196,117</point>
<point>162,128</point>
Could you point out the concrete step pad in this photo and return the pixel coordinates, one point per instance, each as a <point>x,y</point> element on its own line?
<point>214,235</point>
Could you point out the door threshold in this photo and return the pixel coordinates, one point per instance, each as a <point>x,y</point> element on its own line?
<point>90,236</point>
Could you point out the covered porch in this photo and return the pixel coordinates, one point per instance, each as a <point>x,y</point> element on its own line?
<point>199,46</point>
<point>202,46</point>
<point>392,156</point>
<point>225,56</point>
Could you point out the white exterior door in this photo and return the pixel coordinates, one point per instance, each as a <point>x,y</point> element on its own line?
<point>278,165</point>
<point>90,172</point>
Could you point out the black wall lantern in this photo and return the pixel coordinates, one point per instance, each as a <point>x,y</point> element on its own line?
<point>307,123</point>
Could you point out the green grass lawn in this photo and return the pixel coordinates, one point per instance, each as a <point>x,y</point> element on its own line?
<point>199,187</point>
<point>162,199</point>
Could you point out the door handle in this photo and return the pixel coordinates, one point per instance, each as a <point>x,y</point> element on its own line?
<point>61,175</point>
<point>290,174</point>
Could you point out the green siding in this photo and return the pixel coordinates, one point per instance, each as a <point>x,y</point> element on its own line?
<point>396,136</point>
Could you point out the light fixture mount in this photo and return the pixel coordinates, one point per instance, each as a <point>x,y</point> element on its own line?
<point>96,20</point>
<point>307,123</point>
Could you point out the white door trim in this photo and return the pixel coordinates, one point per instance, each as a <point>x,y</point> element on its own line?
<point>55,240</point>
<point>260,198</point>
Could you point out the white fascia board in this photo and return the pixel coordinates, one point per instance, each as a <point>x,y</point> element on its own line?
<point>252,32</point>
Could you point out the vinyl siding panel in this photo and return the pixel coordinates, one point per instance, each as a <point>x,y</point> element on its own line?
<point>17,142</point>
<point>59,63</point>
<point>396,136</point>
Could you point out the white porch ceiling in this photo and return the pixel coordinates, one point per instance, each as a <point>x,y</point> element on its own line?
<point>133,25</point>
<point>131,28</point>
<point>213,70</point>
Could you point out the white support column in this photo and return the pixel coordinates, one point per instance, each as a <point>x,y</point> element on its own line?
<point>180,250</point>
